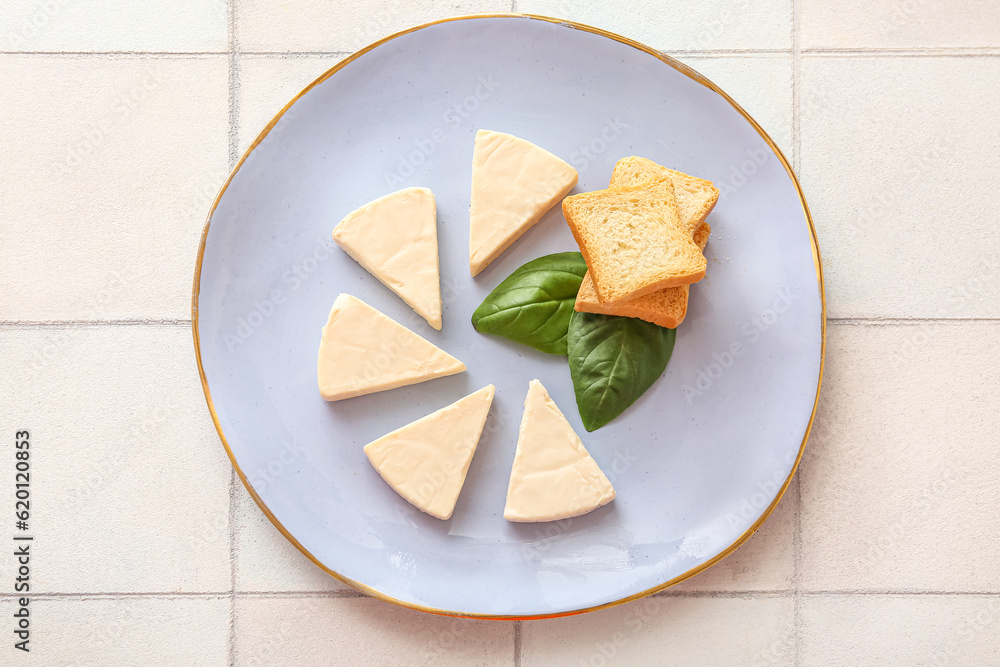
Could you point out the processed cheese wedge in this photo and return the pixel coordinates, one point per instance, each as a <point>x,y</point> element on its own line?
<point>426,461</point>
<point>514,183</point>
<point>553,476</point>
<point>395,239</point>
<point>363,351</point>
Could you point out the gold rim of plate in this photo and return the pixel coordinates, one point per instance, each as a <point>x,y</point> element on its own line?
<point>680,67</point>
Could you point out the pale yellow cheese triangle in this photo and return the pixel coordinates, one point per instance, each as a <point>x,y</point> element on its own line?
<point>553,477</point>
<point>426,461</point>
<point>395,239</point>
<point>363,351</point>
<point>514,183</point>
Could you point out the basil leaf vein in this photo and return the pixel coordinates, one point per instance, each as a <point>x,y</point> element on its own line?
<point>613,361</point>
<point>533,305</point>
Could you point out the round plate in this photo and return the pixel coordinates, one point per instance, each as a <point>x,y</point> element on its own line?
<point>698,462</point>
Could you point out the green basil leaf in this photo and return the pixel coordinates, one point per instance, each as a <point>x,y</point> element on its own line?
<point>533,305</point>
<point>613,361</point>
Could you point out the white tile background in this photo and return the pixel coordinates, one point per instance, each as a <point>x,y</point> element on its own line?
<point>120,120</point>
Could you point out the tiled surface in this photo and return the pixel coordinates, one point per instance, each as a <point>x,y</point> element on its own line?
<point>912,483</point>
<point>362,631</point>
<point>267,84</point>
<point>182,631</point>
<point>681,26</point>
<point>131,487</point>
<point>121,120</point>
<point>760,83</point>
<point>902,630</point>
<point>667,631</point>
<point>100,247</point>
<point>892,147</point>
<point>108,25</point>
<point>319,25</point>
<point>900,24</point>
<point>765,562</point>
<point>266,561</point>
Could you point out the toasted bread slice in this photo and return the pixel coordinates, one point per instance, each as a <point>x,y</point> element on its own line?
<point>633,240</point>
<point>665,307</point>
<point>696,197</point>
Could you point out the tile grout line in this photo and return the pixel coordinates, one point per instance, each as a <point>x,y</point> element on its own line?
<point>348,593</point>
<point>234,89</point>
<point>358,595</point>
<point>291,55</point>
<point>887,592</point>
<point>122,595</point>
<point>41,324</point>
<point>926,52</point>
<point>518,644</point>
<point>796,92</point>
<point>120,54</point>
<point>797,570</point>
<point>234,110</point>
<point>903,321</point>
<point>724,53</point>
<point>797,164</point>
<point>873,52</point>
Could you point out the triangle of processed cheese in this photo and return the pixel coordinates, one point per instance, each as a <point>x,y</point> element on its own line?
<point>553,476</point>
<point>426,461</point>
<point>395,239</point>
<point>514,183</point>
<point>363,351</point>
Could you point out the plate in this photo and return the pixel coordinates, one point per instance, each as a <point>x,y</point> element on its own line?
<point>698,462</point>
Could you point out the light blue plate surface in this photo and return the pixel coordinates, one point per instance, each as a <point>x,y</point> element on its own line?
<point>697,461</point>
